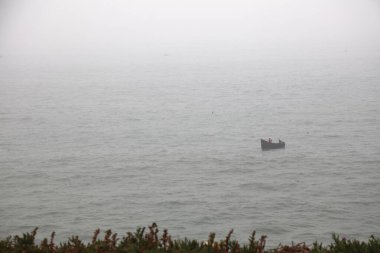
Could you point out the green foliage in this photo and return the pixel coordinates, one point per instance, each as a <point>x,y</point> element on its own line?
<point>254,246</point>
<point>354,246</point>
<point>343,245</point>
<point>149,241</point>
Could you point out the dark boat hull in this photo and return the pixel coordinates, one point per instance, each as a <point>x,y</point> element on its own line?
<point>265,145</point>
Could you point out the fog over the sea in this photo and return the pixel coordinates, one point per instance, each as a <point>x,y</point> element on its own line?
<point>41,28</point>
<point>120,113</point>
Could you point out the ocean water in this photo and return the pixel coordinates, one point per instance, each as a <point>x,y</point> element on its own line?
<point>177,142</point>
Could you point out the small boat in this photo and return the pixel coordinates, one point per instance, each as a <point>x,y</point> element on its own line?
<point>272,145</point>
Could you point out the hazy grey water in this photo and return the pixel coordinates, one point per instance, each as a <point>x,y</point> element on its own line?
<point>177,143</point>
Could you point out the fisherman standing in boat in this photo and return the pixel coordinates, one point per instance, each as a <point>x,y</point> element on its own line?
<point>270,140</point>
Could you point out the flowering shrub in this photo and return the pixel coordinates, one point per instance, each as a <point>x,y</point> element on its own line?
<point>149,241</point>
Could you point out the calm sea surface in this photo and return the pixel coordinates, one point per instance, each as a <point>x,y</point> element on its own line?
<point>177,142</point>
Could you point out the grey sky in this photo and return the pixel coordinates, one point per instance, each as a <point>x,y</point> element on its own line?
<point>114,26</point>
